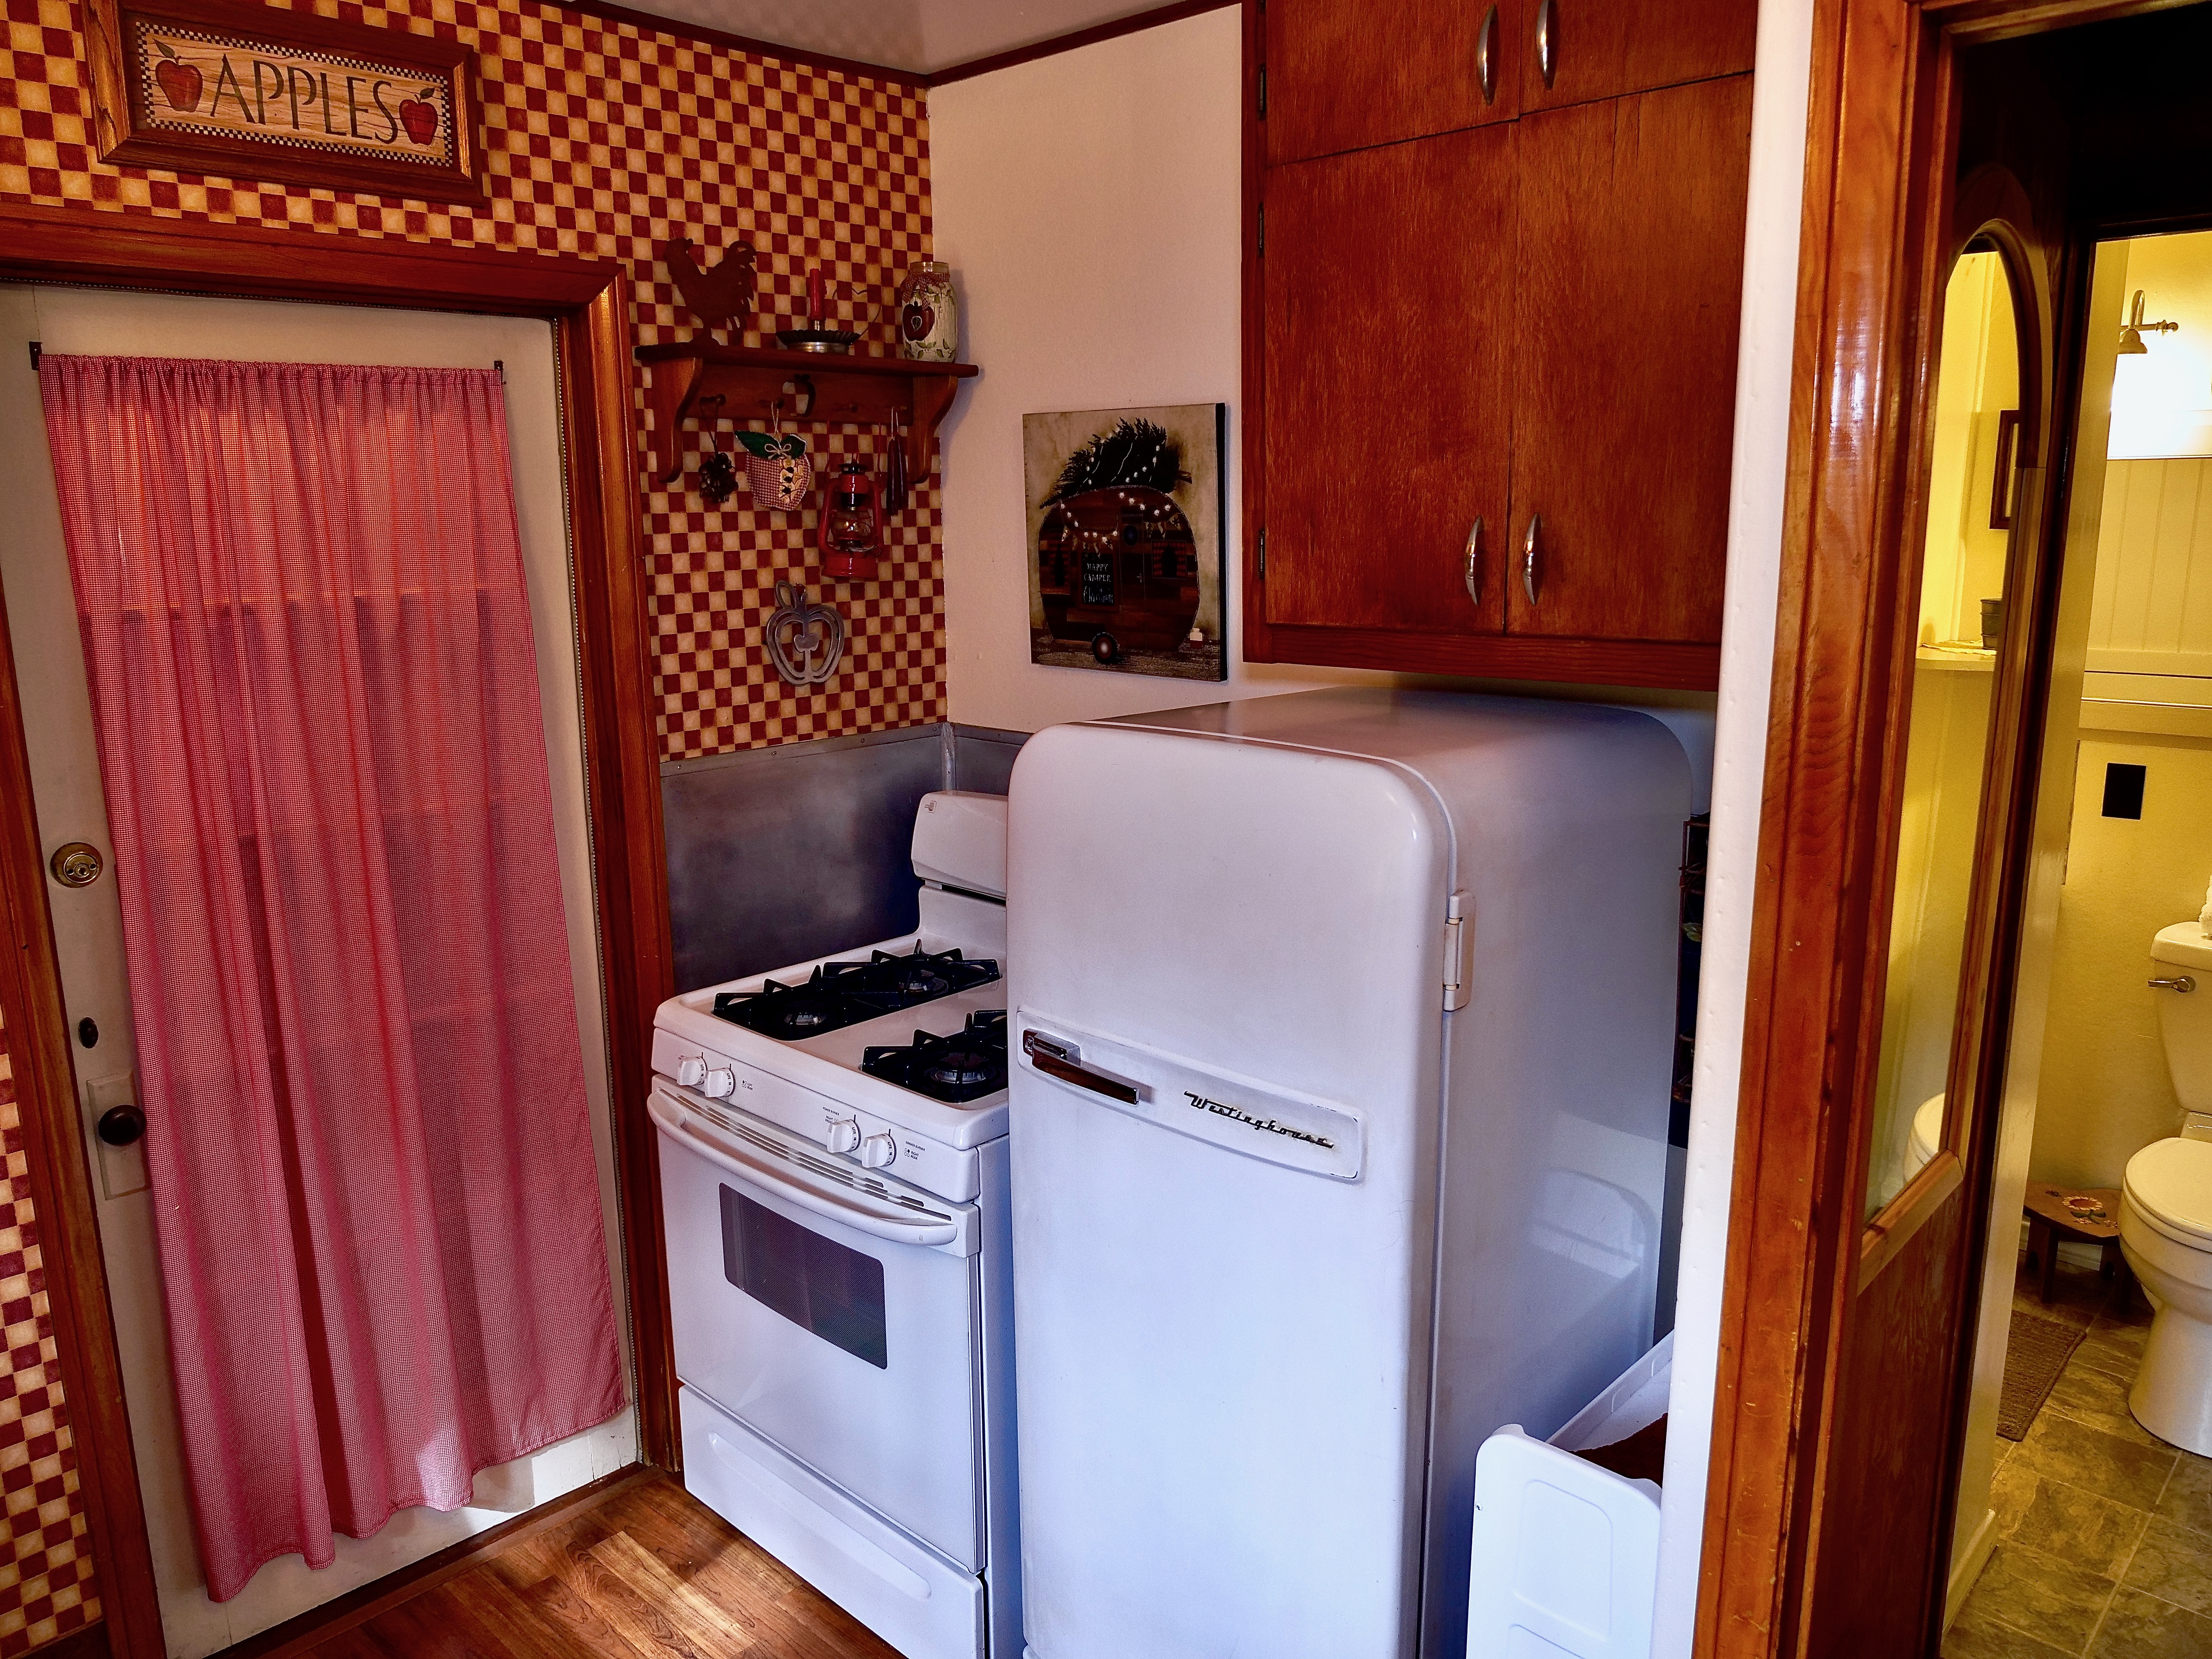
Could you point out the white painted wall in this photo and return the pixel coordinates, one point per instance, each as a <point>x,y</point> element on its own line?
<point>1779,99</point>
<point>1088,204</point>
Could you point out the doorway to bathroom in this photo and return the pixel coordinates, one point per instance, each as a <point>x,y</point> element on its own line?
<point>1922,1448</point>
<point>2084,1517</point>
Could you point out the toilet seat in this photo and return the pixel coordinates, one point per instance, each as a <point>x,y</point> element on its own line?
<point>2169,1185</point>
<point>1927,1131</point>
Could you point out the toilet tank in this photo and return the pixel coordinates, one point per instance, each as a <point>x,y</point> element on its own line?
<point>2184,1019</point>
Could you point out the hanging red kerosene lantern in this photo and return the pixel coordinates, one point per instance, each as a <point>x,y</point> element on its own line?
<point>852,519</point>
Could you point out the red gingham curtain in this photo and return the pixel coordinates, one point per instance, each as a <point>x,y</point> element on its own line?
<point>302,595</point>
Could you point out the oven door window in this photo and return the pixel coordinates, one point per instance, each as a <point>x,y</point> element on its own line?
<point>815,1283</point>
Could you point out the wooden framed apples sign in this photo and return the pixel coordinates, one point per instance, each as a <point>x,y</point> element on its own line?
<point>250,92</point>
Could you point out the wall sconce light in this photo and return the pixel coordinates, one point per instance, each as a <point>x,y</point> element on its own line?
<point>2131,332</point>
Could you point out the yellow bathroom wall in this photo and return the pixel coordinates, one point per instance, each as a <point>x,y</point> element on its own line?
<point>2105,1092</point>
<point>2152,613</point>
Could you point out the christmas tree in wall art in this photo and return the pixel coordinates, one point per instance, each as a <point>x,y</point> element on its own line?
<point>1126,536</point>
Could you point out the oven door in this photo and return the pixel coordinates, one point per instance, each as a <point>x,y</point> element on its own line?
<point>831,1310</point>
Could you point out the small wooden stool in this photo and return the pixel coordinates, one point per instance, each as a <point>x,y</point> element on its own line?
<point>2091,1216</point>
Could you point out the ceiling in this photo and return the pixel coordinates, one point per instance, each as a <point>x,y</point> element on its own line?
<point>922,36</point>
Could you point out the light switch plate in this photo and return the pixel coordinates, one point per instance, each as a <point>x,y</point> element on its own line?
<point>122,1169</point>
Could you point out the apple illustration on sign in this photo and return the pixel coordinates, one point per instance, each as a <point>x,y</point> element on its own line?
<point>420,117</point>
<point>180,82</point>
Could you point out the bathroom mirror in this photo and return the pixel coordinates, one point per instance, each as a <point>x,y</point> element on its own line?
<point>1961,591</point>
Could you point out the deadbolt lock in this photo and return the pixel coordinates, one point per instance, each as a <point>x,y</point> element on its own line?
<point>78,863</point>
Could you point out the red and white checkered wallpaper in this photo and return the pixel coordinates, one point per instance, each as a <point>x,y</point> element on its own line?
<point>601,140</point>
<point>46,1586</point>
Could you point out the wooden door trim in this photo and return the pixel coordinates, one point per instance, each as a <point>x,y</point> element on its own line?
<point>1876,234</point>
<point>588,302</point>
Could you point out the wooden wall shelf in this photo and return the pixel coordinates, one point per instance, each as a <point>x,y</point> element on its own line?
<point>837,388</point>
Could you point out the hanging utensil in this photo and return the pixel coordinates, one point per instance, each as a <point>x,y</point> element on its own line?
<point>895,480</point>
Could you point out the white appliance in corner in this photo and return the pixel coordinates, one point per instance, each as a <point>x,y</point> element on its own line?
<point>1342,1031</point>
<point>833,1174</point>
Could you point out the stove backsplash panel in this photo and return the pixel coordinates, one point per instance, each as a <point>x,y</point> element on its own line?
<point>600,138</point>
<point>779,855</point>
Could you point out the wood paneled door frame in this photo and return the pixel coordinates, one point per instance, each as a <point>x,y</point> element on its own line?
<point>1883,221</point>
<point>588,303</point>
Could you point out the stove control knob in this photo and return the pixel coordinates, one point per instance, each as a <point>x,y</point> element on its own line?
<point>691,1071</point>
<point>844,1135</point>
<point>878,1151</point>
<point>720,1083</point>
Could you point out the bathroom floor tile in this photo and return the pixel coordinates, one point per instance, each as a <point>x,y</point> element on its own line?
<point>2100,1399</point>
<point>2099,1462</point>
<point>2139,1627</point>
<point>2011,1489</point>
<point>1973,1636</point>
<point>2092,1533</point>
<point>2175,1564</point>
<point>2114,1346</point>
<point>2187,1499</point>
<point>2039,1596</point>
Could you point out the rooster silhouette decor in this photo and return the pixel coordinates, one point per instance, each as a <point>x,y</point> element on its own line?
<point>721,296</point>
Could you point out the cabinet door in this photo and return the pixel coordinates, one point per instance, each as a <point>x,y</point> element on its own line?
<point>1347,75</point>
<point>1387,284</point>
<point>1632,240</point>
<point>1606,48</point>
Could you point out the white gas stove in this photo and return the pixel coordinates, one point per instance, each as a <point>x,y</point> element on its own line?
<point>834,1194</point>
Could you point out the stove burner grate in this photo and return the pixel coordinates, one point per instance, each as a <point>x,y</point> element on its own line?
<point>956,1069</point>
<point>841,993</point>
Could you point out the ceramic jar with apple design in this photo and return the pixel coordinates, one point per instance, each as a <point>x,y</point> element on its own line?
<point>928,315</point>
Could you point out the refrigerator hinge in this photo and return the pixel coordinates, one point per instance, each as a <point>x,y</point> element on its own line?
<point>1459,952</point>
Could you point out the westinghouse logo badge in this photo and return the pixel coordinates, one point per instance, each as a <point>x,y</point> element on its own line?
<point>1264,1124</point>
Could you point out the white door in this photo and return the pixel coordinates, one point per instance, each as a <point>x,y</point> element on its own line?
<point>87,921</point>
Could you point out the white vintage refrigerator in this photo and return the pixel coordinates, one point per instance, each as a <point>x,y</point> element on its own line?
<point>1343,1025</point>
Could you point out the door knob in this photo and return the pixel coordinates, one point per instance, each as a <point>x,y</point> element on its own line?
<point>77,864</point>
<point>1547,39</point>
<point>1528,546</point>
<point>1474,562</point>
<point>1485,56</point>
<point>121,1125</point>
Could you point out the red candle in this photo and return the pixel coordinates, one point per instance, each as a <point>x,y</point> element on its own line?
<point>814,307</point>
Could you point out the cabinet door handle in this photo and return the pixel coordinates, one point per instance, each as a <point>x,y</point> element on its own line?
<point>1528,557</point>
<point>1474,562</point>
<point>1485,56</point>
<point>1547,39</point>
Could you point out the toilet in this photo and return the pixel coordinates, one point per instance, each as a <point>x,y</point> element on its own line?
<point>1927,1131</point>
<point>2166,1206</point>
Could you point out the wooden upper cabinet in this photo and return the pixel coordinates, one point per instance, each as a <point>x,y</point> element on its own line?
<point>1627,301</point>
<point>1576,52</point>
<point>1345,75</point>
<point>1388,311</point>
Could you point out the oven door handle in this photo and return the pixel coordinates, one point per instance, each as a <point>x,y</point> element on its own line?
<point>824,1198</point>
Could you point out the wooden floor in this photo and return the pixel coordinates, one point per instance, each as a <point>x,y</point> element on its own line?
<point>643,1571</point>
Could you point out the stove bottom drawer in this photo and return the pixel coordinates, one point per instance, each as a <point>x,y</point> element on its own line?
<point>911,1597</point>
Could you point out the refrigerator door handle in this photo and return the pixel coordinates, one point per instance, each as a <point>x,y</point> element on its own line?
<point>1057,1059</point>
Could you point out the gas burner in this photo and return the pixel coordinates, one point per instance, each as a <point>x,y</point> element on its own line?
<point>965,1067</point>
<point>842,994</point>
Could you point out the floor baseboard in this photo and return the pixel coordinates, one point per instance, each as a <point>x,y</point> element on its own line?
<point>1968,1568</point>
<point>298,1634</point>
<point>86,1641</point>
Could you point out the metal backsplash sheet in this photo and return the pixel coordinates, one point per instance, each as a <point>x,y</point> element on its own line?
<point>775,855</point>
